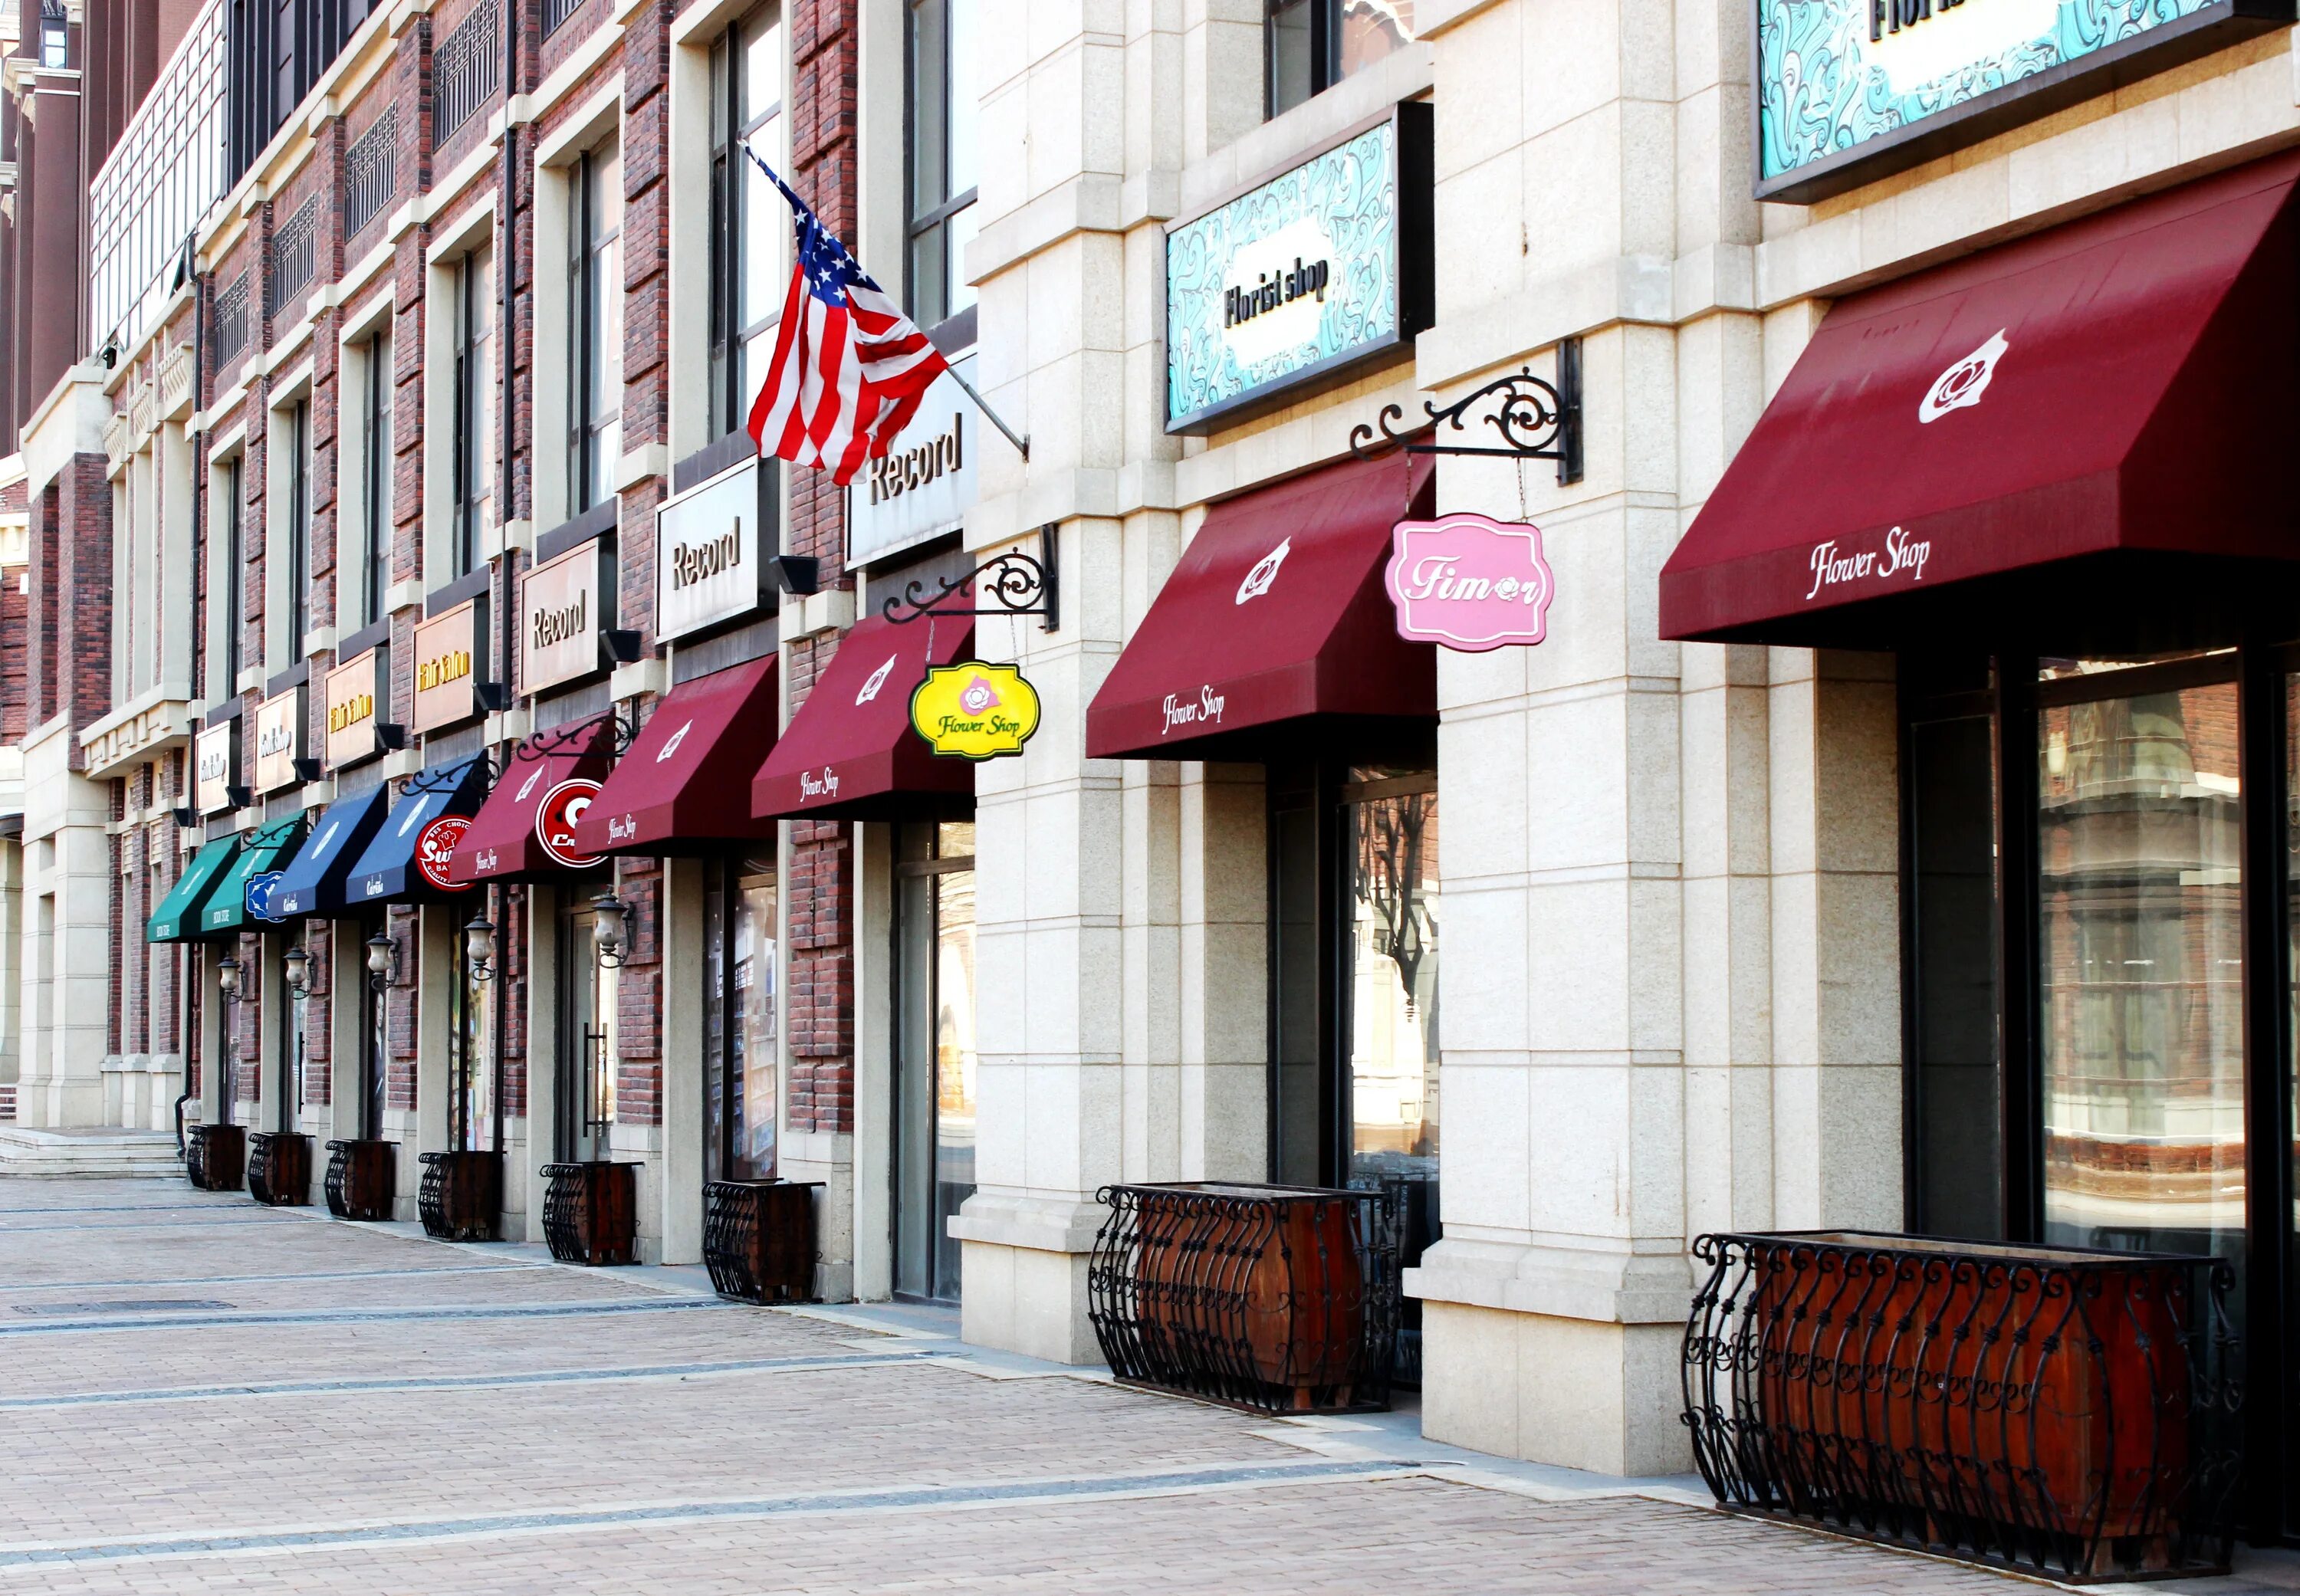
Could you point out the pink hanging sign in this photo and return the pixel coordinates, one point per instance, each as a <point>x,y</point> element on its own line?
<point>1469,582</point>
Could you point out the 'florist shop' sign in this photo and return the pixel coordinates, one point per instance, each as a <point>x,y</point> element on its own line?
<point>1312,275</point>
<point>1851,90</point>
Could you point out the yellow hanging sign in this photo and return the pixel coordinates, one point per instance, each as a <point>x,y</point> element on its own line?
<point>971,711</point>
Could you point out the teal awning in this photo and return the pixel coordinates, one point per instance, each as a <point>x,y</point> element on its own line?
<point>178,918</point>
<point>264,854</point>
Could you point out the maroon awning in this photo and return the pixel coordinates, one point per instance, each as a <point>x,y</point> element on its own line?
<point>504,844</point>
<point>2108,399</point>
<point>683,787</point>
<point>1274,617</point>
<point>849,751</point>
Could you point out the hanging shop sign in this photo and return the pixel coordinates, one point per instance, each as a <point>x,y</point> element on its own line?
<point>434,846</point>
<point>279,739</point>
<point>1469,582</point>
<point>1851,90</point>
<point>711,550</point>
<point>554,822</point>
<point>560,605</point>
<point>215,767</point>
<point>262,887</point>
<point>353,691</point>
<point>1305,278</point>
<point>451,650</point>
<point>924,485</point>
<point>973,710</point>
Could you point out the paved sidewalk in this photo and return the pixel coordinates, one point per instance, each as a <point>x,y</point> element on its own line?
<point>200,1394</point>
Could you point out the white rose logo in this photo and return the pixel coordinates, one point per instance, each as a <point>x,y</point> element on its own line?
<point>1259,579</point>
<point>1966,382</point>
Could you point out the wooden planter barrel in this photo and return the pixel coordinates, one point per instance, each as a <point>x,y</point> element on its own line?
<point>758,1239</point>
<point>590,1212</point>
<point>461,1199</point>
<point>2053,1410</point>
<point>362,1179</point>
<point>216,1156</point>
<point>280,1168</point>
<point>1280,1299</point>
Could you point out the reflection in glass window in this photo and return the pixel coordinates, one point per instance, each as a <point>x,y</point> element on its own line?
<point>750,224</point>
<point>2141,977</point>
<point>1394,992</point>
<point>739,1041</point>
<point>1312,44</point>
<point>944,111</point>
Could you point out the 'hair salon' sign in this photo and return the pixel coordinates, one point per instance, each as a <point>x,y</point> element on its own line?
<point>1303,279</point>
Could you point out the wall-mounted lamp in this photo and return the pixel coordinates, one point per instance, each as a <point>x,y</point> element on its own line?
<point>239,797</point>
<point>310,769</point>
<point>609,921</point>
<point>382,962</point>
<point>186,816</point>
<point>295,970</point>
<point>480,947</point>
<point>228,978</point>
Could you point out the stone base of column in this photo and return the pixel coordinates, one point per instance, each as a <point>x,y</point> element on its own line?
<point>1553,1355</point>
<point>1024,1276</point>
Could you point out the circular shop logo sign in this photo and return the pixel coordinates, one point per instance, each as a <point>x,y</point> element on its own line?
<point>436,845</point>
<point>260,890</point>
<point>554,822</point>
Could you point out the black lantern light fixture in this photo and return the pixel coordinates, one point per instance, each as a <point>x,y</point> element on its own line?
<point>295,970</point>
<point>228,978</point>
<point>382,962</point>
<point>609,924</point>
<point>480,947</point>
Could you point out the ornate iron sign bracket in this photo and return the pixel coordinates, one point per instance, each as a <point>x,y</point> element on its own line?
<point>622,730</point>
<point>1536,419</point>
<point>1015,584</point>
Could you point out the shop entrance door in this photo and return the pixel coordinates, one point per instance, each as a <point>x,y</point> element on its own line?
<point>473,1125</point>
<point>375,1045</point>
<point>289,1082</point>
<point>585,1066</point>
<point>934,1052</point>
<point>738,1020</point>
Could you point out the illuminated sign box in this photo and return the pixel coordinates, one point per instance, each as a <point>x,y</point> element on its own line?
<point>1849,91</point>
<point>1305,279</point>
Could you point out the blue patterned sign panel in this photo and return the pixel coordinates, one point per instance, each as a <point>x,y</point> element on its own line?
<point>1286,282</point>
<point>1839,75</point>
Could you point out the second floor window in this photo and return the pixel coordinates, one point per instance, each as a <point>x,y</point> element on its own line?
<point>54,37</point>
<point>474,407</point>
<point>375,486</point>
<point>299,527</point>
<point>229,579</point>
<point>1313,44</point>
<point>595,395</point>
<point>943,116</point>
<point>748,218</point>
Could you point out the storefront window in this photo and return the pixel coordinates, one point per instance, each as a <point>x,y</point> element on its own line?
<point>292,1057</point>
<point>935,1055</point>
<point>471,1068</point>
<point>943,113</point>
<point>2140,970</point>
<point>739,1036</point>
<point>1313,44</point>
<point>375,1040</point>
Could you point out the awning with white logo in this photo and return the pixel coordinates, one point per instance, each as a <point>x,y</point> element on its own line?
<point>2034,436</point>
<point>1274,626</point>
<point>315,882</point>
<point>849,751</point>
<point>525,830</point>
<point>407,862</point>
<point>685,785</point>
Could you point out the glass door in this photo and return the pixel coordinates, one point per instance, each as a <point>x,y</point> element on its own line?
<point>290,1067</point>
<point>375,1041</point>
<point>934,1052</point>
<point>585,1065</point>
<point>739,1039</point>
<point>471,1125</point>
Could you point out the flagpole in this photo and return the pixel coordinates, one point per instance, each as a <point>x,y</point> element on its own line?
<point>1021,444</point>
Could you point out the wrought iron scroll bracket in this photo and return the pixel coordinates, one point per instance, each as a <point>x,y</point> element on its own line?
<point>1535,418</point>
<point>622,728</point>
<point>1015,584</point>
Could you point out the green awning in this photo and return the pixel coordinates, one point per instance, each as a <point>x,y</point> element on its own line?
<point>265,853</point>
<point>178,918</point>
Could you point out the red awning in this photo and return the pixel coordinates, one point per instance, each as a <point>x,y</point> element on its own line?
<point>849,751</point>
<point>1274,615</point>
<point>2114,392</point>
<point>684,785</point>
<point>504,844</point>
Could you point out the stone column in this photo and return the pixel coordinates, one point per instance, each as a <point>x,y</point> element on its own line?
<point>542,978</point>
<point>679,1168</point>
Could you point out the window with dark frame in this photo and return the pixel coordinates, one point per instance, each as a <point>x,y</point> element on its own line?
<point>1309,46</point>
<point>746,215</point>
<point>473,317</point>
<point>943,118</point>
<point>235,573</point>
<point>55,36</point>
<point>375,486</point>
<point>299,527</point>
<point>595,406</point>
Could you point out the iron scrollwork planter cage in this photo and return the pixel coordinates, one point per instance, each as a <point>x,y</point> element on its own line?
<point>460,1197</point>
<point>216,1156</point>
<point>2057,1411</point>
<point>590,1212</point>
<point>1276,1299</point>
<point>280,1168</point>
<point>758,1239</point>
<point>362,1179</point>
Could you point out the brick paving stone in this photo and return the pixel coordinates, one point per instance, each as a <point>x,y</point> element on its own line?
<point>915,1475</point>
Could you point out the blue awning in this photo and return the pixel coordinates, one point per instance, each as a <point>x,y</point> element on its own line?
<point>390,870</point>
<point>315,882</point>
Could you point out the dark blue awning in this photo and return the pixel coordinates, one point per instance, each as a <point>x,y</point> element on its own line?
<point>390,871</point>
<point>314,883</point>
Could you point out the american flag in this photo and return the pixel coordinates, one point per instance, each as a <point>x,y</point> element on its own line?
<point>849,368</point>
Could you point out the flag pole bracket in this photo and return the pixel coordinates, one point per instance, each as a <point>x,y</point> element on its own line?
<point>1015,584</point>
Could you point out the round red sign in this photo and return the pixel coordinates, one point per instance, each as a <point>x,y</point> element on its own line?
<point>555,817</point>
<point>434,847</point>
